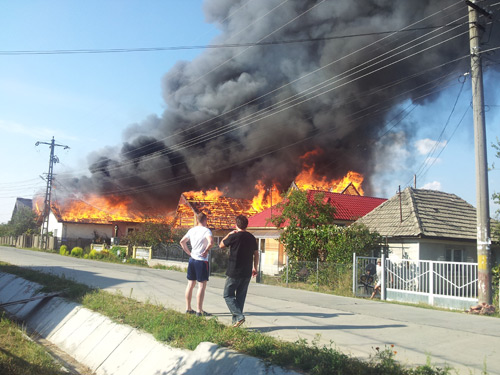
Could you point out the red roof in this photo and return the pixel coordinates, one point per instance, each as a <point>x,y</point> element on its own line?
<point>348,208</point>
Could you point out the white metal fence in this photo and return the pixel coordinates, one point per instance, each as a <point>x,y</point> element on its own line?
<point>446,284</point>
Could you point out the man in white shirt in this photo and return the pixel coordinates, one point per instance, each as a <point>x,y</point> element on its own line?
<point>201,241</point>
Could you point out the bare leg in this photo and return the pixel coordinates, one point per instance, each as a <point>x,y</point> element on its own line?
<point>189,293</point>
<point>200,295</point>
<point>375,290</point>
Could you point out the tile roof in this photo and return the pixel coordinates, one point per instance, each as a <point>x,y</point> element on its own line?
<point>78,211</point>
<point>423,213</point>
<point>349,208</point>
<point>221,211</point>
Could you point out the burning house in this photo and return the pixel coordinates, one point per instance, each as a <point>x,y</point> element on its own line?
<point>221,210</point>
<point>76,220</point>
<point>349,206</point>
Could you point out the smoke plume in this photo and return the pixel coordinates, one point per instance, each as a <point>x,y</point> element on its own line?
<point>292,77</point>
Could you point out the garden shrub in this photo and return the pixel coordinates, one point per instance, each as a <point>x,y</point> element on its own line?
<point>77,252</point>
<point>63,250</point>
<point>118,252</point>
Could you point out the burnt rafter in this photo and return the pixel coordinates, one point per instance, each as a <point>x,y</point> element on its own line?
<point>221,211</point>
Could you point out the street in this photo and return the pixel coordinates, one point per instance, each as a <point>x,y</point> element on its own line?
<point>468,343</point>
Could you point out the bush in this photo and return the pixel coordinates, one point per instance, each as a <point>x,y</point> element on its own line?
<point>93,254</point>
<point>63,250</point>
<point>118,251</point>
<point>77,252</point>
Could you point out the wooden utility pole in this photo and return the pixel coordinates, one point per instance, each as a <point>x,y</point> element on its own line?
<point>482,194</point>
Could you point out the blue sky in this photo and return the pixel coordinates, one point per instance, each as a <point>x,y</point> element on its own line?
<point>86,101</point>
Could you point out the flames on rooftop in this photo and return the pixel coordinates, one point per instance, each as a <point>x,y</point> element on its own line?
<point>220,208</point>
<point>96,210</point>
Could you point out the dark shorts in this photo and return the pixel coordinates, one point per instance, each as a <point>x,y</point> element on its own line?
<point>197,270</point>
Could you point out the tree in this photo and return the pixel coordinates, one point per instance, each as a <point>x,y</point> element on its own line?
<point>23,221</point>
<point>154,233</point>
<point>311,234</point>
<point>299,210</point>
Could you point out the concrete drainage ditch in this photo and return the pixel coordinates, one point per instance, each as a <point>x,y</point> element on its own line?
<point>108,348</point>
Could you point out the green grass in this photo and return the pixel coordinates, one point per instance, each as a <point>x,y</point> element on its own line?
<point>19,355</point>
<point>187,331</point>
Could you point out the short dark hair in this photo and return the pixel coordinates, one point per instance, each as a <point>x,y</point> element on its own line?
<point>242,221</point>
<point>200,216</point>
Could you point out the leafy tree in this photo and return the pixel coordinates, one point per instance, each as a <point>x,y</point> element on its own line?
<point>4,229</point>
<point>342,242</point>
<point>311,233</point>
<point>23,221</point>
<point>300,212</point>
<point>154,233</point>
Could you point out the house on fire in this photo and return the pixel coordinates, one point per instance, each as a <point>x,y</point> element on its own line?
<point>221,212</point>
<point>87,223</point>
<point>349,206</point>
<point>427,225</point>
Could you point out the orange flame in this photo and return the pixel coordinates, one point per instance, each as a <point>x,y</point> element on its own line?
<point>207,195</point>
<point>309,180</point>
<point>96,209</point>
<point>265,197</point>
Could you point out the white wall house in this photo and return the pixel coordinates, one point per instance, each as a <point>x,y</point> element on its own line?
<point>423,224</point>
<point>62,229</point>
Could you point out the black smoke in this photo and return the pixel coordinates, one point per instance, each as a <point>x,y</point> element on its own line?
<point>239,114</point>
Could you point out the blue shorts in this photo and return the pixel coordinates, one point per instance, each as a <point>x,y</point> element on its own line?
<point>197,270</point>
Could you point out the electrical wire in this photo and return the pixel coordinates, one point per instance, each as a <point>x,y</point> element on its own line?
<point>233,126</point>
<point>258,116</point>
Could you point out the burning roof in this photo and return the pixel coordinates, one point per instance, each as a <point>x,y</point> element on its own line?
<point>348,207</point>
<point>221,210</point>
<point>96,210</point>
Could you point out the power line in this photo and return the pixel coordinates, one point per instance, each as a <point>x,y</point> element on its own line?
<point>211,46</point>
<point>285,104</point>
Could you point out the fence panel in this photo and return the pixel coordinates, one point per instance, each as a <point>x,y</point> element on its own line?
<point>446,284</point>
<point>363,278</point>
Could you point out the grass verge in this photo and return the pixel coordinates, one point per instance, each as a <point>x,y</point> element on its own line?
<point>187,331</point>
<point>19,355</point>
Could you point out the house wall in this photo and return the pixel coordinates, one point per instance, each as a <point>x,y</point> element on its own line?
<point>272,257</point>
<point>405,249</point>
<point>55,227</point>
<point>436,250</point>
<point>82,230</point>
<point>453,251</point>
<point>124,229</point>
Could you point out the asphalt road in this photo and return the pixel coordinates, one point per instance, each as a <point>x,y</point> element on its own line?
<point>469,343</point>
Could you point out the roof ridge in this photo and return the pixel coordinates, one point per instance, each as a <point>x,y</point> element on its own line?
<point>415,210</point>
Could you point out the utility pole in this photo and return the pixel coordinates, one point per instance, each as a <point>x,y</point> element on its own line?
<point>482,193</point>
<point>48,191</point>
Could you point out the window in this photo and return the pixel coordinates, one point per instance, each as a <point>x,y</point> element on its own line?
<point>262,245</point>
<point>454,255</point>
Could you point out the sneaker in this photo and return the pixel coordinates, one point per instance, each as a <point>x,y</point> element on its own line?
<point>239,323</point>
<point>190,312</point>
<point>203,313</point>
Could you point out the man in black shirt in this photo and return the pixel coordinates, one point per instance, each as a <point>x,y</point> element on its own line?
<point>243,254</point>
